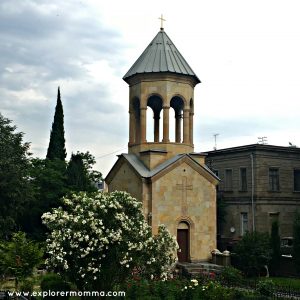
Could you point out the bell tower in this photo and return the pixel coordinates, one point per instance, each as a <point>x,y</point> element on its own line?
<point>172,182</point>
<point>161,80</point>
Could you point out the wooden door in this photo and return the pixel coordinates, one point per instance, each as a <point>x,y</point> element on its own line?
<point>183,242</point>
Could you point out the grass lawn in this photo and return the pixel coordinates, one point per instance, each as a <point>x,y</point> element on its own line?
<point>293,283</point>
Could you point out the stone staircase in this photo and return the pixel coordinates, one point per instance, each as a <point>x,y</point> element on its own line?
<point>195,269</point>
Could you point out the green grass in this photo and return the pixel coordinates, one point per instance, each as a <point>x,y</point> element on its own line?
<point>293,283</point>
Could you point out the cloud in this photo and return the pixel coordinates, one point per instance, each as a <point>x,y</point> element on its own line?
<point>43,45</point>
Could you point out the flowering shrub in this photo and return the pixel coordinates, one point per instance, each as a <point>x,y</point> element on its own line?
<point>98,239</point>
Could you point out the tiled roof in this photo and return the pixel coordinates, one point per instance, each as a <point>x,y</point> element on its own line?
<point>144,172</point>
<point>161,56</point>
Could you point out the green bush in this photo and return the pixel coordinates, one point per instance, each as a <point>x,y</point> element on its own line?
<point>231,275</point>
<point>266,287</point>
<point>253,252</point>
<point>184,290</point>
<point>27,285</point>
<point>54,282</point>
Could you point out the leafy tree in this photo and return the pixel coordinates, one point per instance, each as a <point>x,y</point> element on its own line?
<point>98,233</point>
<point>275,247</point>
<point>253,252</point>
<point>80,176</point>
<point>53,179</point>
<point>15,189</point>
<point>19,257</point>
<point>56,147</point>
<point>296,242</point>
<point>48,179</point>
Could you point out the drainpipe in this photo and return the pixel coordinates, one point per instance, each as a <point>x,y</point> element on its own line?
<point>252,192</point>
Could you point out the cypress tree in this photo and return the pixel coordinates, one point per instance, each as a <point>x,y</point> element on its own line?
<point>56,149</point>
<point>296,242</point>
<point>275,247</point>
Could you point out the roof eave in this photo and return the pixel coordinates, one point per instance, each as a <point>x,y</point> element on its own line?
<point>131,79</point>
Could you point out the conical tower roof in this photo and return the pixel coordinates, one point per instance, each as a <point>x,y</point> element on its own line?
<point>161,56</point>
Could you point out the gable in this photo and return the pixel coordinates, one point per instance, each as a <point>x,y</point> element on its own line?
<point>123,177</point>
<point>186,159</point>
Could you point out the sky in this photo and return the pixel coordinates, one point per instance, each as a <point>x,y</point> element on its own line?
<point>246,54</point>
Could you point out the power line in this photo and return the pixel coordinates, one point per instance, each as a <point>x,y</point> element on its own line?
<point>110,153</point>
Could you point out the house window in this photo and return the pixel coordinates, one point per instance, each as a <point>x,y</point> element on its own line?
<point>243,179</point>
<point>297,180</point>
<point>228,179</point>
<point>244,223</point>
<point>274,179</point>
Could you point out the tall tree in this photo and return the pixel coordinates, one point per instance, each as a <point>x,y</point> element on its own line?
<point>77,177</point>
<point>275,246</point>
<point>296,244</point>
<point>56,147</point>
<point>15,188</point>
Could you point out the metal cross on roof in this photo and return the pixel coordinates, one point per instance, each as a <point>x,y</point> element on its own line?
<point>161,22</point>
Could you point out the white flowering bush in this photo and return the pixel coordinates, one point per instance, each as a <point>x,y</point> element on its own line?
<point>98,239</point>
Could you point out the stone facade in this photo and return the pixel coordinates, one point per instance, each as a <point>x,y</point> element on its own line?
<point>182,192</point>
<point>173,183</point>
<point>274,194</point>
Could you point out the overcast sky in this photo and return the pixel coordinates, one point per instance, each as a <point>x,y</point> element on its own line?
<point>246,53</point>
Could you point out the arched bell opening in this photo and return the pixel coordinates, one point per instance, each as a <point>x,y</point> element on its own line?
<point>137,120</point>
<point>156,104</point>
<point>191,120</point>
<point>177,104</point>
<point>183,240</point>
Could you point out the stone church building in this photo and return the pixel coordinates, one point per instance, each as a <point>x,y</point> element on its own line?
<point>171,180</point>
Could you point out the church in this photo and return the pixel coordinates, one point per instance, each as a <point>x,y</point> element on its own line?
<point>175,186</point>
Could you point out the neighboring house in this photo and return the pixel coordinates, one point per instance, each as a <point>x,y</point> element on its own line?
<point>259,184</point>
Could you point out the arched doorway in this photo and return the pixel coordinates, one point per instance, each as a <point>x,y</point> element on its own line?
<point>183,240</point>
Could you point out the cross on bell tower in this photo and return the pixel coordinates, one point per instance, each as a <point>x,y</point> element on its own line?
<point>161,22</point>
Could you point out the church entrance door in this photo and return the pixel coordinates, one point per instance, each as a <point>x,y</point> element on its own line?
<point>183,242</point>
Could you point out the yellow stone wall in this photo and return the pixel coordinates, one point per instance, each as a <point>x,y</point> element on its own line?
<point>125,179</point>
<point>152,159</point>
<point>165,200</point>
<point>165,85</point>
<point>200,213</point>
<point>171,148</point>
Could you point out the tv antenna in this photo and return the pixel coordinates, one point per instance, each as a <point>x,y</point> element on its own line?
<point>215,136</point>
<point>262,140</point>
<point>292,145</point>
